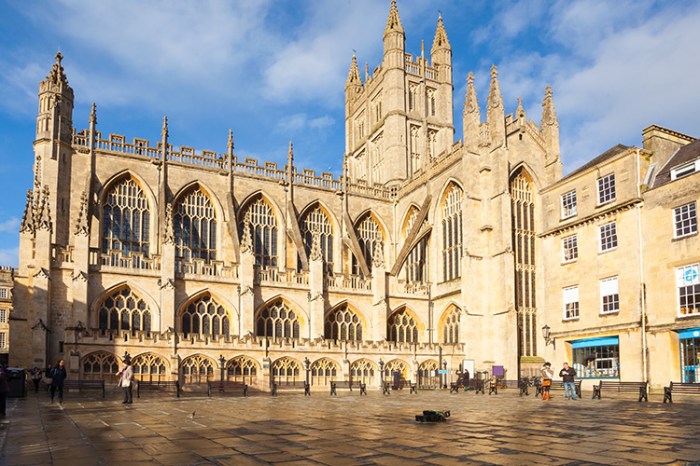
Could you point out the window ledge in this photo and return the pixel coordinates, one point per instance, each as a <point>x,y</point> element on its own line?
<point>689,235</point>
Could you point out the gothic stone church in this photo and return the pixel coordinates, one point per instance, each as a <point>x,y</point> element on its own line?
<point>426,254</point>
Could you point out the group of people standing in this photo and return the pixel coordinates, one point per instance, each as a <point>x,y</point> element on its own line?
<point>567,373</point>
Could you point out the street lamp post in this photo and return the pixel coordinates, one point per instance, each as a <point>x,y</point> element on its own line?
<point>381,373</point>
<point>444,373</point>
<point>307,363</point>
<point>222,361</point>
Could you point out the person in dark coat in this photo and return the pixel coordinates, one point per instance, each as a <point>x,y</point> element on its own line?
<point>4,389</point>
<point>58,376</point>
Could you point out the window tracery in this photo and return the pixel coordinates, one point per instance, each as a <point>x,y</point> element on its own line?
<point>343,324</point>
<point>452,233</point>
<point>402,327</point>
<point>263,231</point>
<point>277,320</point>
<point>124,310</point>
<point>125,219</point>
<point>205,317</point>
<point>195,227</point>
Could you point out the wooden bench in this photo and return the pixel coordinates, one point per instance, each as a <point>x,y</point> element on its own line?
<point>557,385</point>
<point>680,388</point>
<point>637,387</point>
<point>296,385</point>
<point>158,385</point>
<point>85,384</point>
<point>227,386</point>
<point>347,385</point>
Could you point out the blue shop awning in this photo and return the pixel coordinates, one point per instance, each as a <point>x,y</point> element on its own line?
<point>689,333</point>
<point>605,341</point>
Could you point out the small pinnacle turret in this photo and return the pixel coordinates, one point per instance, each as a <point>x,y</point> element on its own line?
<point>495,113</point>
<point>549,115</point>
<point>353,81</point>
<point>164,132</point>
<point>440,41</point>
<point>471,116</point>
<point>81,224</point>
<point>93,114</point>
<point>549,130</point>
<point>393,22</point>
<point>27,224</point>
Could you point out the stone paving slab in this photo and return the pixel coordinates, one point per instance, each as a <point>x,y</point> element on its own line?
<point>348,430</point>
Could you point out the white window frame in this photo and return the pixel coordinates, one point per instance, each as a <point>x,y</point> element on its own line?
<point>3,316</point>
<point>609,287</point>
<point>606,189</point>
<point>568,204</point>
<point>608,238</point>
<point>4,294</point>
<point>685,220</point>
<point>687,275</point>
<point>3,340</point>
<point>570,295</point>
<point>573,247</point>
<point>685,170</point>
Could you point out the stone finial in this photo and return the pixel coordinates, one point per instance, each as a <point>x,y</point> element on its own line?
<point>495,99</point>
<point>57,75</point>
<point>393,22</point>
<point>168,236</point>
<point>93,114</point>
<point>164,132</point>
<point>316,252</point>
<point>520,111</point>
<point>471,103</point>
<point>378,255</point>
<point>45,211</point>
<point>229,145</point>
<point>440,41</point>
<point>353,74</point>
<point>549,115</point>
<point>81,225</point>
<point>27,225</point>
<point>246,238</point>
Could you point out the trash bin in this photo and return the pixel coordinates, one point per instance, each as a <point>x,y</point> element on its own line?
<point>16,377</point>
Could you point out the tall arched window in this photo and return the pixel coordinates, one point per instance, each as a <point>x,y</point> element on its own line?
<point>263,231</point>
<point>343,324</point>
<point>125,219</point>
<point>415,268</point>
<point>99,365</point>
<point>369,235</point>
<point>428,376</point>
<point>242,369</point>
<point>362,371</point>
<point>123,309</point>
<point>323,371</point>
<point>286,371</point>
<point>277,320</point>
<point>150,367</point>
<point>452,233</point>
<point>194,227</point>
<point>316,222</point>
<point>197,369</point>
<point>523,218</point>
<point>450,326</point>
<point>205,317</point>
<point>402,327</point>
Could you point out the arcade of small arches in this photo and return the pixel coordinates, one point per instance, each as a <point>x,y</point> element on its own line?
<point>124,309</point>
<point>201,369</point>
<point>195,220</point>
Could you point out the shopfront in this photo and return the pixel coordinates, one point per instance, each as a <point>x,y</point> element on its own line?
<point>690,354</point>
<point>596,358</point>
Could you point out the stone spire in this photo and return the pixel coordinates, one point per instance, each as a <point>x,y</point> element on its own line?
<point>229,151</point>
<point>45,211</point>
<point>81,224</point>
<point>164,131</point>
<point>27,225</point>
<point>246,239</point>
<point>471,116</point>
<point>316,252</point>
<point>353,81</point>
<point>440,41</point>
<point>495,114</point>
<point>549,115</point>
<point>378,255</point>
<point>393,22</point>
<point>93,114</point>
<point>168,236</point>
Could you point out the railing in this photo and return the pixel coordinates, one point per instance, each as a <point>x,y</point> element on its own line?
<point>118,260</point>
<point>347,282</point>
<point>188,156</point>
<point>205,268</point>
<point>285,277</point>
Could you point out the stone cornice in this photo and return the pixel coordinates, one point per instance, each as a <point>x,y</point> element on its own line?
<point>627,205</point>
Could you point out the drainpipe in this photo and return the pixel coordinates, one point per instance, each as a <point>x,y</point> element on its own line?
<point>641,274</point>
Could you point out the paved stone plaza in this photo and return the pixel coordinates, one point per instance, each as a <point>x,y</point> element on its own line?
<point>296,430</point>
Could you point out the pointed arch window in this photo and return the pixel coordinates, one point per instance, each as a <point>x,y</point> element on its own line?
<point>99,365</point>
<point>450,329</point>
<point>343,324</point>
<point>278,321</point>
<point>263,231</point>
<point>416,162</point>
<point>523,219</point>
<point>316,222</point>
<point>402,327</point>
<point>362,371</point>
<point>150,367</point>
<point>369,235</point>
<point>124,310</point>
<point>195,227</point>
<point>242,369</point>
<point>197,369</point>
<point>415,268</point>
<point>286,371</point>
<point>452,234</point>
<point>125,219</point>
<point>205,317</point>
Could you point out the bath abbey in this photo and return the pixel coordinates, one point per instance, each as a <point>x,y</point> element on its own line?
<point>427,257</point>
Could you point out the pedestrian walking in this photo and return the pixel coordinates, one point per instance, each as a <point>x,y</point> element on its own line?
<point>4,389</point>
<point>58,376</point>
<point>126,379</point>
<point>547,373</point>
<point>567,374</point>
<point>36,378</point>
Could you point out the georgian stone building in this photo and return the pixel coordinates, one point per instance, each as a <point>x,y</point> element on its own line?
<point>426,254</point>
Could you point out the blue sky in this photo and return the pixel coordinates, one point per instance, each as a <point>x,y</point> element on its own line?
<point>274,71</point>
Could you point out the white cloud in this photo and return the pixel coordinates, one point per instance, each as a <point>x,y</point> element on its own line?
<point>10,225</point>
<point>9,257</point>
